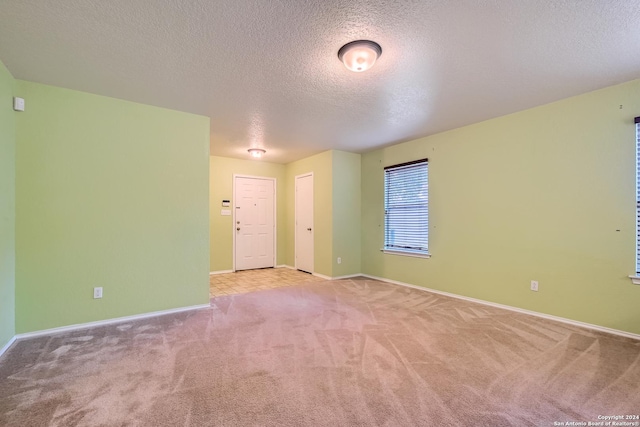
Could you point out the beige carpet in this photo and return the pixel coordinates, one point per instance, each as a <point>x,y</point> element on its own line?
<point>335,353</point>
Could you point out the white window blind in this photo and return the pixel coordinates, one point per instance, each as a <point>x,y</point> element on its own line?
<point>637,120</point>
<point>406,207</point>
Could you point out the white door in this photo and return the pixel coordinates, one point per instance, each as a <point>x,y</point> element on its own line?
<point>254,223</point>
<point>304,223</point>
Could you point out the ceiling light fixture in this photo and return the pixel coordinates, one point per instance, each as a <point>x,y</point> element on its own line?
<point>256,152</point>
<point>359,55</point>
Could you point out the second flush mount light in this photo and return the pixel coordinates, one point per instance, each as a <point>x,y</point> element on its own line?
<point>359,55</point>
<point>256,152</point>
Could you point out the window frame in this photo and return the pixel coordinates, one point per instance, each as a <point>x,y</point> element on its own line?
<point>636,277</point>
<point>387,248</point>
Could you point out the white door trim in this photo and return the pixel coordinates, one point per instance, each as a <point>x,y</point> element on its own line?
<point>295,220</point>
<point>275,217</point>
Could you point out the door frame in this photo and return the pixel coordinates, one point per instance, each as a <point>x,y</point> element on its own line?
<point>275,217</point>
<point>295,222</point>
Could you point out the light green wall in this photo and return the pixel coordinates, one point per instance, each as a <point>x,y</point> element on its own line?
<point>7,206</point>
<point>221,171</point>
<point>346,213</point>
<point>114,194</point>
<point>536,195</point>
<point>108,193</point>
<point>321,166</point>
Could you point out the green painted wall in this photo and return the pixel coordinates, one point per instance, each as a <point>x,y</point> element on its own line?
<point>536,195</point>
<point>321,166</point>
<point>221,171</point>
<point>7,206</point>
<point>346,213</point>
<point>108,193</point>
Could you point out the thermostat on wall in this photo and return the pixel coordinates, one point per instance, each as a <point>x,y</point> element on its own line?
<point>226,203</point>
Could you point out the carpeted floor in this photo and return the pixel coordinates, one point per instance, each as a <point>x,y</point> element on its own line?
<point>335,353</point>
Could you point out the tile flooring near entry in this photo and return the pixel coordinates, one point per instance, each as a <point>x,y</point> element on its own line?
<point>245,281</point>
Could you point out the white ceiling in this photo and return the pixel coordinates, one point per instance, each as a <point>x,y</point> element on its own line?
<point>267,74</point>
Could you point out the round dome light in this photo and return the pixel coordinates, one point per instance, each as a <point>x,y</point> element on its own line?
<point>256,152</point>
<point>359,55</point>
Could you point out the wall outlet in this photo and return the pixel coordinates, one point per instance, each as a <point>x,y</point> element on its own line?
<point>534,285</point>
<point>97,292</point>
<point>339,260</point>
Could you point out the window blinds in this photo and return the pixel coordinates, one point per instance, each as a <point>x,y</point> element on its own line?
<point>406,207</point>
<point>637,120</point>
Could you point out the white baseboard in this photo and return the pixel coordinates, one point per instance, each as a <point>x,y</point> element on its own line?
<point>211,273</point>
<point>516,309</point>
<point>7,345</point>
<point>285,266</point>
<point>348,276</point>
<point>108,321</point>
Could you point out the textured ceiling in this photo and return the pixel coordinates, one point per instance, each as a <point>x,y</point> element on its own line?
<point>266,71</point>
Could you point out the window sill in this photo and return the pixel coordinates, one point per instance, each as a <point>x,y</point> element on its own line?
<point>408,253</point>
<point>635,280</point>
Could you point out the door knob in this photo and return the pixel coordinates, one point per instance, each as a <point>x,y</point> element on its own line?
<point>238,228</point>
<point>309,229</point>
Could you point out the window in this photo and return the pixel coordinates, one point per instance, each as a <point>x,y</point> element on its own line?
<point>636,279</point>
<point>406,208</point>
<point>637,120</point>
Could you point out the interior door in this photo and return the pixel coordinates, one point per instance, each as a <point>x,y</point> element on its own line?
<point>304,222</point>
<point>254,223</point>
